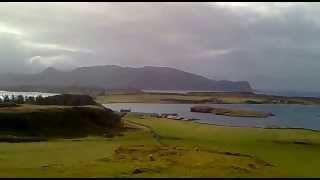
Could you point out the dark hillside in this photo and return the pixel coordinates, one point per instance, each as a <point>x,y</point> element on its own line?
<point>57,121</point>
<point>67,100</point>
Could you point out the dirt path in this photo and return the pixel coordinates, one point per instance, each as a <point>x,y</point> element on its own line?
<point>148,128</point>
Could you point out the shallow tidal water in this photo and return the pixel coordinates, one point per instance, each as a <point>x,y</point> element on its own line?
<point>286,116</point>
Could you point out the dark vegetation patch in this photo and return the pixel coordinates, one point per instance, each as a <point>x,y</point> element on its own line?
<point>140,170</point>
<point>302,142</point>
<point>2,105</point>
<point>59,121</point>
<point>298,142</point>
<point>235,154</point>
<point>170,137</point>
<point>67,100</point>
<point>62,100</point>
<point>15,139</point>
<point>254,102</point>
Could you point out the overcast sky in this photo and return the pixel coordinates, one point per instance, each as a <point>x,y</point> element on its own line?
<point>271,45</point>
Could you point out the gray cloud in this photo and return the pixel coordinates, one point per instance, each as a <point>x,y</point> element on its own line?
<point>272,45</point>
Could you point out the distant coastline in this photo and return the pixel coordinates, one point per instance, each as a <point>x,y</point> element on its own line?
<point>258,92</point>
<point>178,91</point>
<point>289,93</point>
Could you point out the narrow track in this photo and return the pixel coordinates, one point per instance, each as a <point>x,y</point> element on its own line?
<point>155,135</point>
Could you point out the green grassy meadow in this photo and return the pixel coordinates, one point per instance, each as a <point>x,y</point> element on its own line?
<point>84,157</point>
<point>183,149</point>
<point>279,147</point>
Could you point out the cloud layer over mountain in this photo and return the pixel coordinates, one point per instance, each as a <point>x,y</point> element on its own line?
<point>272,45</point>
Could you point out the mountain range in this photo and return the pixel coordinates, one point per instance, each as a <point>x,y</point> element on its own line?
<point>117,77</point>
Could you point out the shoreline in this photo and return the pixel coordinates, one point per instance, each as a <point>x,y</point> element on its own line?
<point>205,98</point>
<point>231,126</point>
<point>255,127</point>
<point>168,102</point>
<point>104,103</point>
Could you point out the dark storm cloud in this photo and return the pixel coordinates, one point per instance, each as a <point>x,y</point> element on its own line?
<point>271,45</point>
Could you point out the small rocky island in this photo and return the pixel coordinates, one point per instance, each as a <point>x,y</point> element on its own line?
<point>230,112</point>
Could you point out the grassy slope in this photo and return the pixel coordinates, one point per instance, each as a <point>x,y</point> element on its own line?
<point>67,158</point>
<point>272,145</point>
<point>89,156</point>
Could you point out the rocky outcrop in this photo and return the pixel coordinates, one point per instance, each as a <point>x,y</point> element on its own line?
<point>230,112</point>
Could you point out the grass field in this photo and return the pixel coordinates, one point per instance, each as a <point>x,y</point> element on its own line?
<point>182,149</point>
<point>294,153</point>
<point>85,157</point>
